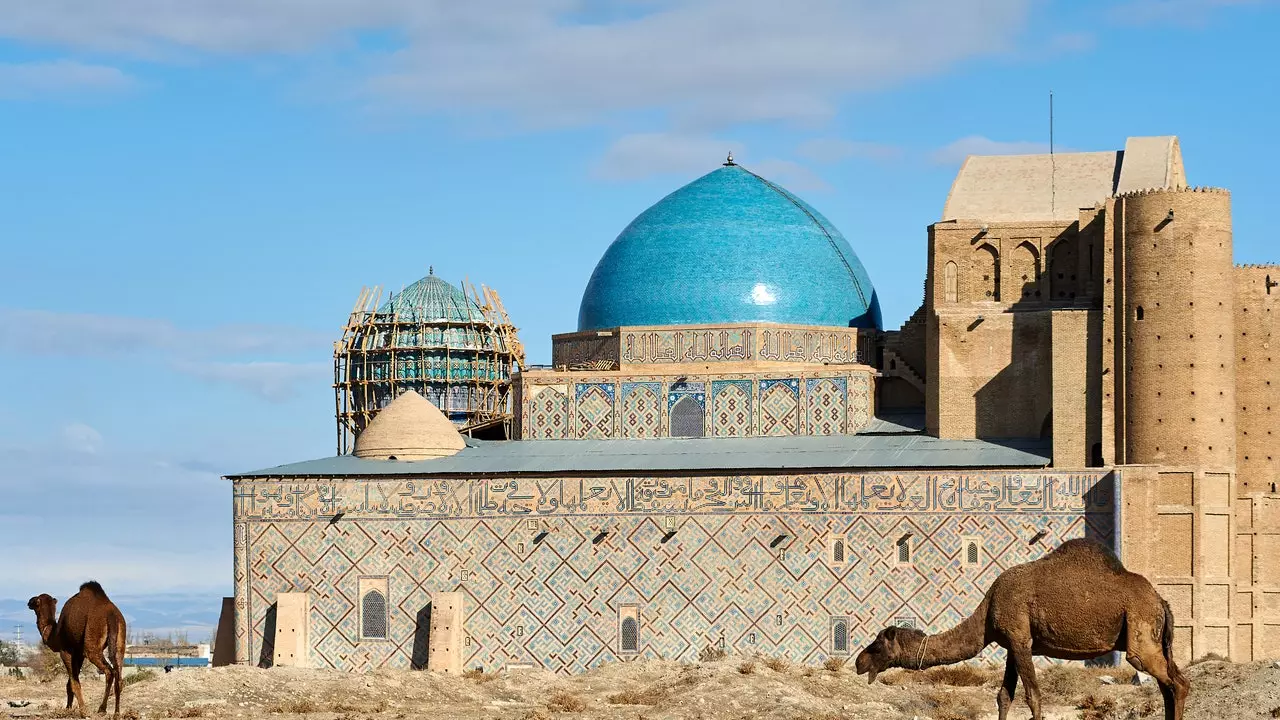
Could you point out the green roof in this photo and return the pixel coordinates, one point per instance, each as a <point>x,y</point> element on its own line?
<point>839,452</point>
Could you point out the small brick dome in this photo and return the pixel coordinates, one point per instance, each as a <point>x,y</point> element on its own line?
<point>409,428</point>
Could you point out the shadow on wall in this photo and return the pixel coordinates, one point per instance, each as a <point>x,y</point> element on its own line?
<point>421,638</point>
<point>1102,524</point>
<point>267,657</point>
<point>1018,400</point>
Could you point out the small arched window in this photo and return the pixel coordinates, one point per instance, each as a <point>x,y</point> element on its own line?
<point>373,615</point>
<point>837,551</point>
<point>950,282</point>
<point>904,549</point>
<point>840,637</point>
<point>971,553</point>
<point>630,635</point>
<point>687,418</point>
<point>1140,314</point>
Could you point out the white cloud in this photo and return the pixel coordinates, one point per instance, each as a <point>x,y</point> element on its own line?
<point>834,150</point>
<point>957,151</point>
<point>82,438</point>
<point>707,63</point>
<point>645,154</point>
<point>38,80</point>
<point>83,334</point>
<point>271,381</point>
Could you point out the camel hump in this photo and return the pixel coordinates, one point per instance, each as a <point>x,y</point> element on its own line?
<point>94,588</point>
<point>1091,550</point>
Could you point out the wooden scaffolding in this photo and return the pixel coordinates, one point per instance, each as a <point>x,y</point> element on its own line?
<point>464,366</point>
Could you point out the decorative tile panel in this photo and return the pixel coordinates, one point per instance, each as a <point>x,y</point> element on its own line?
<point>731,414</point>
<point>780,407</point>
<point>548,414</point>
<point>641,410</point>
<point>820,401</point>
<point>557,603</point>
<point>825,400</point>
<point>595,416</point>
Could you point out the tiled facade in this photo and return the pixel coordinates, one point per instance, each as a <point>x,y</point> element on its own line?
<point>582,405</point>
<point>738,342</point>
<point>549,567</point>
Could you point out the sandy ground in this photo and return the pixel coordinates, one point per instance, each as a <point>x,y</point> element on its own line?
<point>730,688</point>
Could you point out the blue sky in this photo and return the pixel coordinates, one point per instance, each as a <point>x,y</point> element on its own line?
<point>193,192</point>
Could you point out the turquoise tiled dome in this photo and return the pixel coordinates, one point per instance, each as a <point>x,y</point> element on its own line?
<point>729,247</point>
<point>431,300</point>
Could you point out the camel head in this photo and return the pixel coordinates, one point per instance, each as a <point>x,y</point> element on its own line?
<point>893,647</point>
<point>45,605</point>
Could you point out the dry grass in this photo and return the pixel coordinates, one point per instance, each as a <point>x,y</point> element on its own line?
<point>777,664</point>
<point>46,664</point>
<point>130,714</point>
<point>1209,657</point>
<point>536,714</point>
<point>834,664</point>
<point>187,712</point>
<point>747,667</point>
<point>479,675</point>
<point>566,702</point>
<point>651,696</point>
<point>296,706</point>
<point>1093,707</point>
<point>959,676</point>
<point>944,704</point>
<point>345,707</point>
<point>140,676</point>
<point>70,712</point>
<point>712,653</point>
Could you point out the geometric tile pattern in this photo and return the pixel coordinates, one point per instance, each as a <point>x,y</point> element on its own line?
<point>731,408</point>
<point>641,410</point>
<point>779,407</point>
<point>826,402</point>
<point>734,342</point>
<point>552,593</point>
<point>826,399</point>
<point>595,411</point>
<point>548,418</point>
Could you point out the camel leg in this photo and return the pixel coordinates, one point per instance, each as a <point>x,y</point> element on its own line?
<point>1026,665</point>
<point>73,680</point>
<point>1146,656</point>
<point>1004,698</point>
<point>101,663</point>
<point>66,665</point>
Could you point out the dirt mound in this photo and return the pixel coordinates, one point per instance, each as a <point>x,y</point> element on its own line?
<point>735,687</point>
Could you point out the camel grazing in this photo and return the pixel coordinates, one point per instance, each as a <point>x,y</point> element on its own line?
<point>1076,603</point>
<point>90,624</point>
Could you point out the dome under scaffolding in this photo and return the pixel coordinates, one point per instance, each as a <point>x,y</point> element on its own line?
<point>455,347</point>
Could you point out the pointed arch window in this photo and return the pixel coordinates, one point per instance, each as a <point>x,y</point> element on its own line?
<point>837,552</point>
<point>839,636</point>
<point>950,283</point>
<point>688,418</point>
<point>628,629</point>
<point>373,608</point>
<point>904,550</point>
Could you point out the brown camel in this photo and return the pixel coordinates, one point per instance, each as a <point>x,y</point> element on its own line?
<point>1076,603</point>
<point>90,624</point>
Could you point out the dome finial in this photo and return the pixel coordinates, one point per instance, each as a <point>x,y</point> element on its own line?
<point>431,269</point>
<point>729,161</point>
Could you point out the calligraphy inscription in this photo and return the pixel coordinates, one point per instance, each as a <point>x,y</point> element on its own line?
<point>974,493</point>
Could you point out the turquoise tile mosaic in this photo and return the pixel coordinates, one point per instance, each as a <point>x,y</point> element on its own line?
<point>729,247</point>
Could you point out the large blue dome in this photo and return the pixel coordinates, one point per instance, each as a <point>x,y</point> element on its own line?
<point>729,247</point>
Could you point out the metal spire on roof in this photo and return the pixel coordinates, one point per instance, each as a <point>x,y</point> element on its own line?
<point>729,161</point>
<point>431,269</point>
